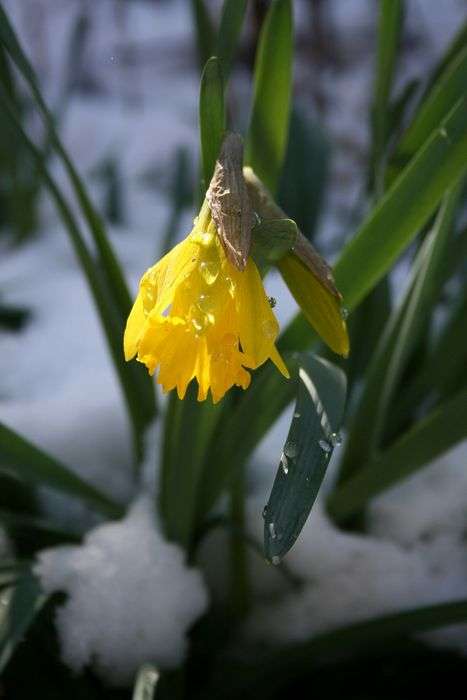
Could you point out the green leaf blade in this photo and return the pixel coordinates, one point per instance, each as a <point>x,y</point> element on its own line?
<point>211,116</point>
<point>307,452</point>
<point>267,135</point>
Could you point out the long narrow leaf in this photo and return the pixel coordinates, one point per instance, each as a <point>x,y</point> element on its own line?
<point>22,459</point>
<point>132,378</point>
<point>308,449</point>
<point>389,26</point>
<point>445,93</point>
<point>267,675</point>
<point>428,439</point>
<point>267,135</point>
<point>19,606</point>
<point>211,116</point>
<point>397,341</point>
<point>232,17</point>
<point>396,220</point>
<point>109,263</point>
<point>188,428</point>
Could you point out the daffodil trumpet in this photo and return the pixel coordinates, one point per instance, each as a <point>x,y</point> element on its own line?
<point>202,312</point>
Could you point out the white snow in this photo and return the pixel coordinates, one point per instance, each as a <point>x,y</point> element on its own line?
<point>131,597</point>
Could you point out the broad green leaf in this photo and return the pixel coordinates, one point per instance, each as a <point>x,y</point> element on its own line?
<point>232,17</point>
<point>397,218</point>
<point>19,606</point>
<point>267,134</point>
<point>204,30</point>
<point>309,446</point>
<point>132,378</point>
<point>389,28</point>
<point>211,116</point>
<point>436,433</point>
<point>22,459</point>
<point>188,429</point>
<point>146,682</point>
<point>445,93</point>
<point>400,336</point>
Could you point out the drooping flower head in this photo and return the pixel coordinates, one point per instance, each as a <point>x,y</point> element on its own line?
<point>197,316</point>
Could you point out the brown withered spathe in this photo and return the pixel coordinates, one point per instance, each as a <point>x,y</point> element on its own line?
<point>229,201</point>
<point>264,204</point>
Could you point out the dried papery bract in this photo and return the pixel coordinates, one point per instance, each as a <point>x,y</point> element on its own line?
<point>229,202</point>
<point>263,203</point>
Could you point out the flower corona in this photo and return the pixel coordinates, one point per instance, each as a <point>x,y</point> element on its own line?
<point>197,316</point>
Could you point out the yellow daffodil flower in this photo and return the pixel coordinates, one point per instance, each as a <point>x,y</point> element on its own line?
<point>197,316</point>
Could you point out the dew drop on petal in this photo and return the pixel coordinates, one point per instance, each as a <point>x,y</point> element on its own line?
<point>276,560</point>
<point>265,512</point>
<point>291,449</point>
<point>209,271</point>
<point>272,531</point>
<point>344,313</point>
<point>297,414</point>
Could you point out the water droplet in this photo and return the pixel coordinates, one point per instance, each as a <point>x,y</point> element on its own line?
<point>269,329</point>
<point>336,439</point>
<point>344,313</point>
<point>443,133</point>
<point>230,285</point>
<point>325,446</point>
<point>272,302</point>
<point>196,325</point>
<point>291,449</point>
<point>284,464</point>
<point>209,271</point>
<point>265,512</point>
<point>297,414</point>
<point>276,560</point>
<point>272,531</point>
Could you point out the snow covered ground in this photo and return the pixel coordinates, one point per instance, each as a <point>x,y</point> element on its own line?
<point>136,102</point>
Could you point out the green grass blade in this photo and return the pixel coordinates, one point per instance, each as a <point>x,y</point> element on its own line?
<point>20,604</point>
<point>252,415</point>
<point>232,18</point>
<point>188,429</point>
<point>109,263</point>
<point>456,46</point>
<point>270,674</point>
<point>311,440</point>
<point>304,175</point>
<point>132,378</point>
<point>25,461</point>
<point>389,28</point>
<point>204,30</point>
<point>396,219</point>
<point>445,93</point>
<point>146,682</point>
<point>433,435</point>
<point>211,116</point>
<point>267,135</point>
<point>400,336</point>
